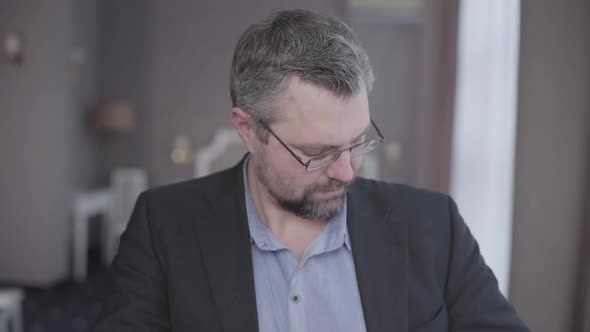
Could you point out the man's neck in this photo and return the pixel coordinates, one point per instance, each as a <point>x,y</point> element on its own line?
<point>295,232</point>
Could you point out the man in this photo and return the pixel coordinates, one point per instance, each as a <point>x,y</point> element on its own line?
<point>288,240</point>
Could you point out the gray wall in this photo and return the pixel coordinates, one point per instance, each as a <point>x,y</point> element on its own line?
<point>41,112</point>
<point>123,32</point>
<point>552,160</point>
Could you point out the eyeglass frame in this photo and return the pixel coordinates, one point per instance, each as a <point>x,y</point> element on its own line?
<point>321,155</point>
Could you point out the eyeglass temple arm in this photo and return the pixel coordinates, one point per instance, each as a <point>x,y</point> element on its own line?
<point>378,130</point>
<point>286,147</point>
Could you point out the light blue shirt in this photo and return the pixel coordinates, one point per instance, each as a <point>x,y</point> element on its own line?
<point>317,294</point>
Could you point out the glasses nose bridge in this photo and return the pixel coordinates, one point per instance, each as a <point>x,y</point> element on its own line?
<point>338,155</point>
<point>342,170</point>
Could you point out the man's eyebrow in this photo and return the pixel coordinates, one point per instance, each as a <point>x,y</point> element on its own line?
<point>312,146</point>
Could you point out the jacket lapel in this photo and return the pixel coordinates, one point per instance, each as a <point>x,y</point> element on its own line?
<point>225,244</point>
<point>379,246</point>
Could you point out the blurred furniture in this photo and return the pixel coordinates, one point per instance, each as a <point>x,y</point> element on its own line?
<point>86,205</point>
<point>116,117</point>
<point>10,310</point>
<point>224,151</point>
<point>126,185</point>
<point>114,204</point>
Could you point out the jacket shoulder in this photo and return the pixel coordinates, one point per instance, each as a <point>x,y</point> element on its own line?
<point>179,192</point>
<point>401,196</point>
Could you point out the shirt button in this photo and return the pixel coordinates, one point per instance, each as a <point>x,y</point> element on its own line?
<point>296,298</point>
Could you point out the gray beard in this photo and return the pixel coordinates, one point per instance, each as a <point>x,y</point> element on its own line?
<point>314,209</point>
<point>306,206</point>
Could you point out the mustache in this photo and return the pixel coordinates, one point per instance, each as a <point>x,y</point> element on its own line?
<point>331,185</point>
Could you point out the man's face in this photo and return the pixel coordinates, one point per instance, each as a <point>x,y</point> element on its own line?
<point>312,121</point>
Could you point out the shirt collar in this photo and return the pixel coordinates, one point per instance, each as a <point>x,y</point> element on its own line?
<point>332,237</point>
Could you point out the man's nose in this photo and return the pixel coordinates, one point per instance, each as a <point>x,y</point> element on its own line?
<point>341,169</point>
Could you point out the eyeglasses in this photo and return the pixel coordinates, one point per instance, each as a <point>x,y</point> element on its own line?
<point>326,159</point>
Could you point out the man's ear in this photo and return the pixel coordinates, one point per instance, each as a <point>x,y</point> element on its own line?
<point>244,125</point>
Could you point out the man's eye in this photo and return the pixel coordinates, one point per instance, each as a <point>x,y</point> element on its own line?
<point>313,153</point>
<point>316,152</point>
<point>325,155</point>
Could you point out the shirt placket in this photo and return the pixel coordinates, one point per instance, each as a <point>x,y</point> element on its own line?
<point>297,319</point>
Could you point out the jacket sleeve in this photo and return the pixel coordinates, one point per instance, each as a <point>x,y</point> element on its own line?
<point>474,302</point>
<point>136,297</point>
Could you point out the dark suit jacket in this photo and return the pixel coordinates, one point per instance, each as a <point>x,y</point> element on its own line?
<point>184,263</point>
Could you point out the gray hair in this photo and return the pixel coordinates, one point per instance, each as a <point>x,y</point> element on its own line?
<point>317,48</point>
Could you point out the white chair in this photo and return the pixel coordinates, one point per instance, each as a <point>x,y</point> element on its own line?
<point>114,204</point>
<point>10,310</point>
<point>86,205</point>
<point>224,151</point>
<point>126,185</point>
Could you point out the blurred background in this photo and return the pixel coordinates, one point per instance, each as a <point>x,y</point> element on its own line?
<point>100,99</point>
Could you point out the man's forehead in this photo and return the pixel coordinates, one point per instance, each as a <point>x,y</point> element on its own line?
<point>322,135</point>
<point>317,144</point>
<point>315,116</point>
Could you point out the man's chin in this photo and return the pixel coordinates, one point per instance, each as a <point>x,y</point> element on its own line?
<point>331,205</point>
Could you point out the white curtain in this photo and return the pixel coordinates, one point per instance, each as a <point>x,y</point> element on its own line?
<point>482,164</point>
